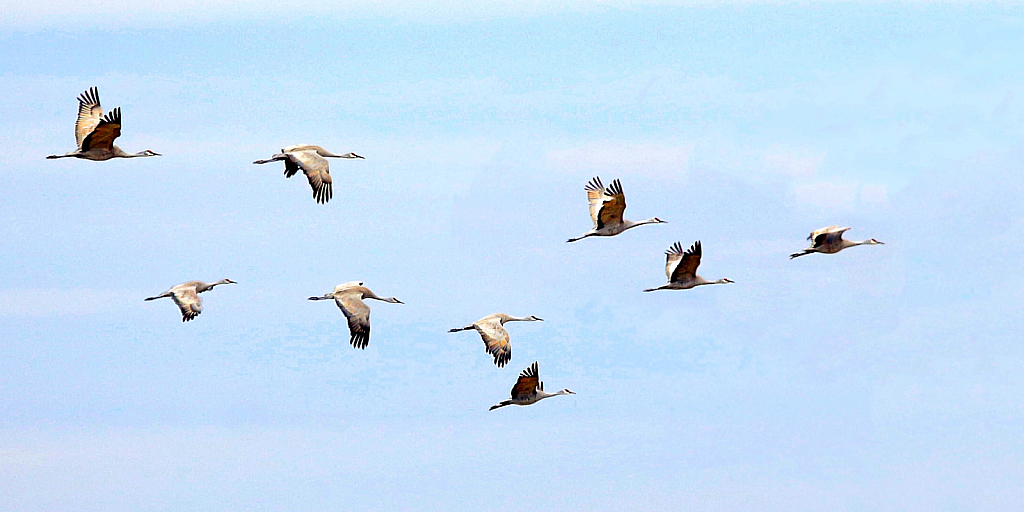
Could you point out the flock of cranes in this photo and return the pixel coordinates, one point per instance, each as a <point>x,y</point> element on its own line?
<point>95,134</point>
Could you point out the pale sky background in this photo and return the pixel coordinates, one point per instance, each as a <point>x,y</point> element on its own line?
<point>881,378</point>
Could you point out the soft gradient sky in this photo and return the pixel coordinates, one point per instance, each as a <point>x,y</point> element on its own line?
<point>881,378</point>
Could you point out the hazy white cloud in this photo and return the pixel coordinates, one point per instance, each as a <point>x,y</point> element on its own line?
<point>840,194</point>
<point>110,13</point>
<point>873,193</point>
<point>826,194</point>
<point>79,14</point>
<point>795,165</point>
<point>659,160</point>
<point>62,302</point>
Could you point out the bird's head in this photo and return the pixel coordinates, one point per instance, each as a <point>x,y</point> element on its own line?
<point>659,221</point>
<point>726,280</point>
<point>536,319</point>
<point>394,300</point>
<point>228,281</point>
<point>875,242</point>
<point>567,392</point>
<point>352,155</point>
<point>149,152</point>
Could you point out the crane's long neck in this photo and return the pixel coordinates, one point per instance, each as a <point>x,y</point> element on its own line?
<point>120,153</point>
<point>327,154</point>
<point>209,286</point>
<point>627,224</point>
<point>202,287</point>
<point>541,394</point>
<point>700,281</point>
<point>370,295</point>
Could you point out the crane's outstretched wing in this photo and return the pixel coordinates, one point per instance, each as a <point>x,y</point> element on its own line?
<point>89,114</point>
<point>613,206</point>
<point>596,197</point>
<point>108,129</point>
<point>358,315</point>
<point>814,234</point>
<point>829,234</point>
<point>688,261</point>
<point>188,301</point>
<point>290,168</point>
<point>496,340</point>
<point>301,147</point>
<point>317,171</point>
<point>672,257</point>
<point>528,382</point>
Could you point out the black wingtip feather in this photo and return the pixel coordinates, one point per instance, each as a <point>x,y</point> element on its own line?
<point>360,340</point>
<point>91,96</point>
<point>502,358</point>
<point>113,117</point>
<point>530,371</point>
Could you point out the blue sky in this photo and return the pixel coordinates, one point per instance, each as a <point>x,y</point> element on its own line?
<point>881,378</point>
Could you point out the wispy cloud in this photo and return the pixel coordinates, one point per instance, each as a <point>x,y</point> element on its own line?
<point>840,194</point>
<point>658,160</point>
<point>826,194</point>
<point>80,14</point>
<point>63,302</point>
<point>794,165</point>
<point>104,13</point>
